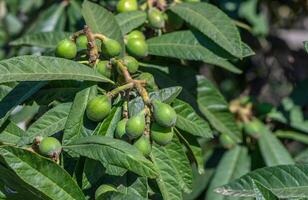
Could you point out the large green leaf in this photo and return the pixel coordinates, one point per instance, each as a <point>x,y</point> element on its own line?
<point>177,156</point>
<point>130,20</point>
<point>102,21</point>
<point>93,171</point>
<point>74,123</point>
<point>189,121</point>
<point>16,96</point>
<point>293,135</point>
<point>11,133</point>
<point>235,163</point>
<point>212,22</point>
<point>285,181</point>
<point>114,152</point>
<point>166,95</point>
<point>50,123</point>
<point>167,180</point>
<point>42,39</point>
<point>273,152</point>
<point>39,68</point>
<point>187,45</point>
<point>41,173</point>
<point>213,105</point>
<point>263,193</point>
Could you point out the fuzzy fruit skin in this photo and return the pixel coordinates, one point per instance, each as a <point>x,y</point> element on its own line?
<point>161,135</point>
<point>98,108</point>
<point>66,49</point>
<point>103,68</point>
<point>127,6</point>
<point>131,63</point>
<point>174,22</point>
<point>136,35</point>
<point>253,128</point>
<point>226,141</point>
<point>120,129</point>
<point>164,114</point>
<point>101,190</point>
<point>49,146</point>
<point>135,125</point>
<point>82,42</point>
<point>137,47</point>
<point>143,144</point>
<point>111,48</point>
<point>156,18</point>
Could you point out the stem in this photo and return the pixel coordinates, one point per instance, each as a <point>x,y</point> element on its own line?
<point>125,109</point>
<point>100,36</point>
<point>93,51</point>
<point>117,90</point>
<point>83,62</point>
<point>76,35</point>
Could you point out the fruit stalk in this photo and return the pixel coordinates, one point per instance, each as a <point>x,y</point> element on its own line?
<point>121,88</point>
<point>93,51</point>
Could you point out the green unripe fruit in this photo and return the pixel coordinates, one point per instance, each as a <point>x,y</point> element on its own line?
<point>131,63</point>
<point>135,125</point>
<point>137,47</point>
<point>161,135</point>
<point>174,22</point>
<point>120,129</point>
<point>98,108</point>
<point>104,68</point>
<point>111,48</point>
<point>135,35</point>
<point>149,79</point>
<point>253,128</point>
<point>103,189</point>
<point>50,146</point>
<point>143,144</point>
<point>156,18</point>
<point>164,114</point>
<point>82,42</point>
<point>226,141</point>
<point>66,49</point>
<point>127,6</point>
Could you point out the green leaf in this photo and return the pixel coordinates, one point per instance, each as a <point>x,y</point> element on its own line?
<point>234,164</point>
<point>215,108</point>
<point>133,185</point>
<point>292,135</point>
<point>128,21</point>
<point>108,126</point>
<point>306,46</point>
<point>11,133</point>
<point>50,123</point>
<point>42,39</point>
<point>102,21</point>
<point>177,156</point>
<point>285,181</point>
<point>189,121</point>
<point>16,96</point>
<point>213,23</point>
<point>115,152</point>
<point>74,123</point>
<point>263,193</point>
<point>167,180</point>
<point>273,152</point>
<point>187,45</point>
<point>166,95</point>
<point>40,68</point>
<point>41,173</point>
<point>302,157</point>
<point>93,171</point>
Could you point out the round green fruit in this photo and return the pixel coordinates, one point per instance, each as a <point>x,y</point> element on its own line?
<point>226,141</point>
<point>135,35</point>
<point>120,129</point>
<point>98,108</point>
<point>253,128</point>
<point>82,42</point>
<point>104,68</point>
<point>50,146</point>
<point>156,18</point>
<point>161,135</point>
<point>111,48</point>
<point>127,6</point>
<point>143,144</point>
<point>102,190</point>
<point>137,47</point>
<point>135,125</point>
<point>66,49</point>
<point>174,22</point>
<point>149,78</point>
<point>164,114</point>
<point>131,63</point>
